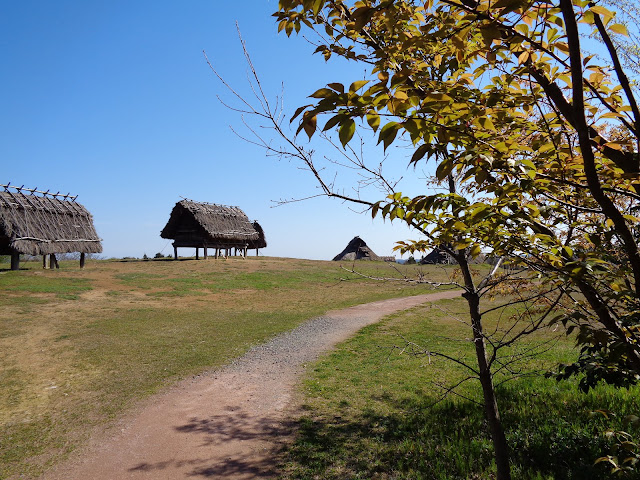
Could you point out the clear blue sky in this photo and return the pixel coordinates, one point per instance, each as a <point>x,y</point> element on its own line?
<point>113,101</point>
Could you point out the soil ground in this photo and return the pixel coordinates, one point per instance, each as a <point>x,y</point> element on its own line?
<point>229,423</point>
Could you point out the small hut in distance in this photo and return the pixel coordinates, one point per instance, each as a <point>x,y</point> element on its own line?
<point>44,224</point>
<point>208,225</point>
<point>356,249</point>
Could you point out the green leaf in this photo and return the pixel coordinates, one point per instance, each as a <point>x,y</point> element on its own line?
<point>486,123</point>
<point>357,85</point>
<point>374,209</point>
<point>420,152</point>
<point>619,28</point>
<point>332,122</point>
<point>338,87</point>
<point>388,134</point>
<point>600,10</point>
<point>322,93</point>
<point>317,6</point>
<point>444,169</point>
<point>299,110</point>
<point>347,129</point>
<point>373,119</point>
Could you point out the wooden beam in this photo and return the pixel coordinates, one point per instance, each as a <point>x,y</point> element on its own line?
<point>205,252</point>
<point>15,261</point>
<point>82,260</point>
<point>175,252</point>
<point>54,261</point>
<point>197,253</point>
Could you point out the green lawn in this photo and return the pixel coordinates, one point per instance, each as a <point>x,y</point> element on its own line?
<point>79,347</point>
<point>374,411</point>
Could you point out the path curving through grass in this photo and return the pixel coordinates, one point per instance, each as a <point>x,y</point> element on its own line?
<point>229,423</point>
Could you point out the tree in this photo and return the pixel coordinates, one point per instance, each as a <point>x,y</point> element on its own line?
<point>497,353</point>
<point>506,98</point>
<point>535,142</point>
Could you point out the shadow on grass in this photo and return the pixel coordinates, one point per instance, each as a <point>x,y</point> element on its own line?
<point>446,441</point>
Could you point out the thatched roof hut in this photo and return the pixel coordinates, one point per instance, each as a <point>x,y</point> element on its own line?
<point>43,225</point>
<point>357,249</point>
<point>207,225</point>
<point>436,256</point>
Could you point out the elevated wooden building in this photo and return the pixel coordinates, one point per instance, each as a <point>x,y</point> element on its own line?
<point>34,222</point>
<point>207,225</point>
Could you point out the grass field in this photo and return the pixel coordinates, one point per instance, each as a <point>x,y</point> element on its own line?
<point>79,347</point>
<point>372,412</point>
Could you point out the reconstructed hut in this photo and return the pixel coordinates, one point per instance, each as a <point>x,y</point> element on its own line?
<point>262,240</point>
<point>357,249</point>
<point>207,225</point>
<point>33,222</point>
<point>437,256</point>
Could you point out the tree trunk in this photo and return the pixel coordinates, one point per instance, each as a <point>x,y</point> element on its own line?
<point>500,447</point>
<point>498,437</point>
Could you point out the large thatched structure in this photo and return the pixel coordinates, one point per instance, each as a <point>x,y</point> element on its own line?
<point>44,225</point>
<point>207,225</point>
<point>357,249</point>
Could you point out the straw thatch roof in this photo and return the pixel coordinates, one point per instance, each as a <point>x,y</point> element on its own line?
<point>436,256</point>
<point>197,224</point>
<point>357,249</point>
<point>40,225</point>
<point>262,240</point>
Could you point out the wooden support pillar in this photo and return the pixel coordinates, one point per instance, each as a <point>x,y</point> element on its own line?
<point>217,252</point>
<point>256,252</point>
<point>244,253</point>
<point>54,261</point>
<point>197,253</point>
<point>15,261</point>
<point>82,260</point>
<point>205,253</point>
<point>45,263</point>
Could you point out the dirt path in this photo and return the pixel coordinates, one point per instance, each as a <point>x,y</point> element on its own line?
<point>228,423</point>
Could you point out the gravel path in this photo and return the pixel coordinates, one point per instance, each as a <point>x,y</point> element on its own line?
<point>228,423</point>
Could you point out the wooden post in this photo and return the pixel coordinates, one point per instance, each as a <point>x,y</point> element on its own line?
<point>256,252</point>
<point>82,260</point>
<point>15,261</point>
<point>197,253</point>
<point>205,252</point>
<point>54,261</point>
<point>217,252</point>
<point>45,264</point>
<point>175,252</point>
